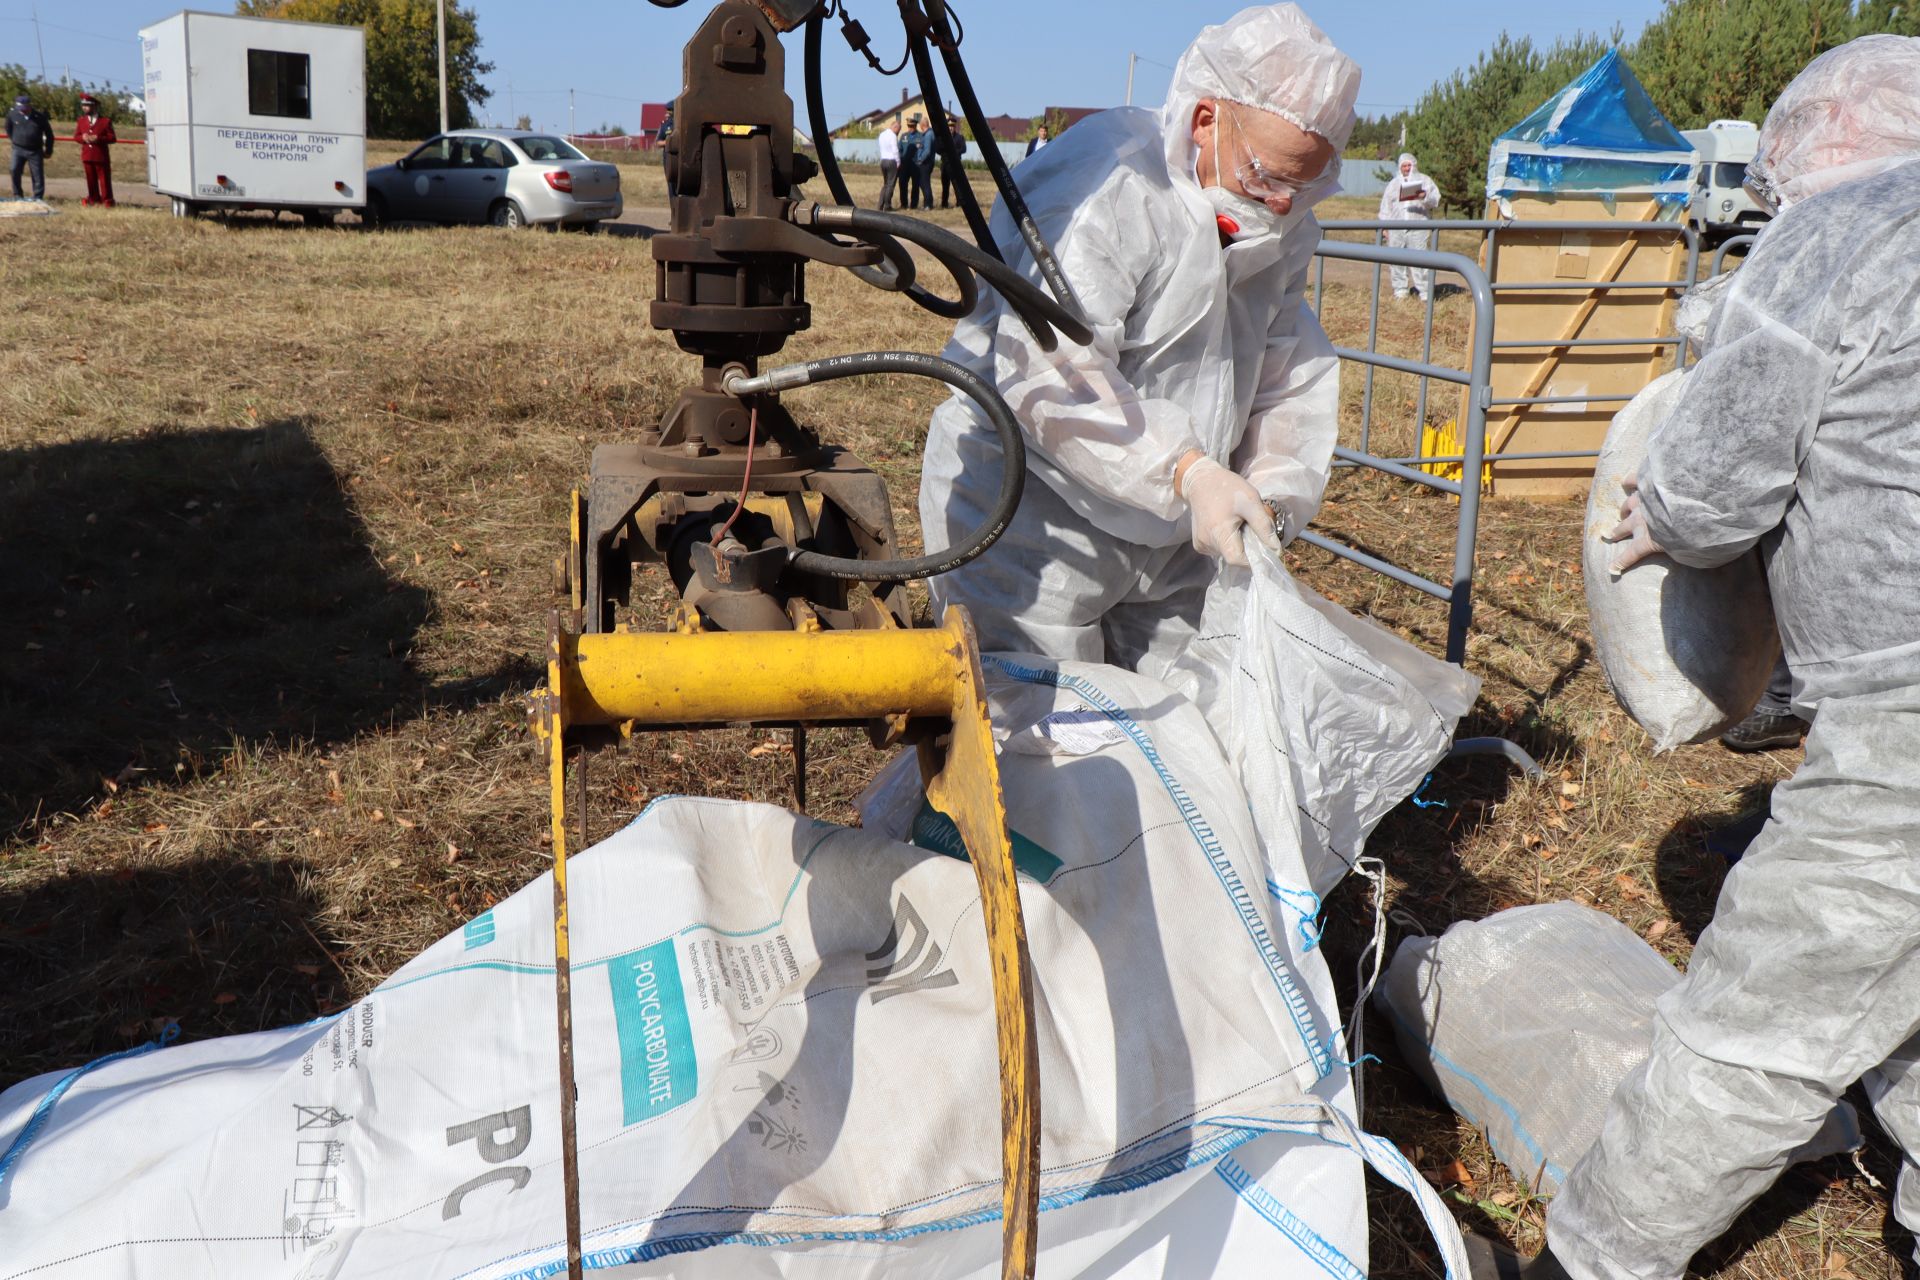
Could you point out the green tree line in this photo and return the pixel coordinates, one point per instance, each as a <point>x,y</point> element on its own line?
<point>1700,60</point>
<point>61,101</point>
<point>403,84</point>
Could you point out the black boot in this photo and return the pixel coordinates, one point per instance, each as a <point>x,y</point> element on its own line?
<point>1765,731</point>
<point>1493,1260</point>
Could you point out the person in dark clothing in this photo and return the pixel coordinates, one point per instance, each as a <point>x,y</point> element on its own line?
<point>31,135</point>
<point>916,164</point>
<point>949,172</point>
<point>94,133</point>
<point>1038,140</point>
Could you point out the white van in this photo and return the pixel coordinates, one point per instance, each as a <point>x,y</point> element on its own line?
<point>1720,206</point>
<point>256,113</point>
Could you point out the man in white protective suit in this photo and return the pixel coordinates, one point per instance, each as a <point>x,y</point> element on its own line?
<point>1206,402</point>
<point>1798,432</point>
<point>1410,196</point>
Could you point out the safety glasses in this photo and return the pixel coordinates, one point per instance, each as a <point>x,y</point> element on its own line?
<point>1262,182</point>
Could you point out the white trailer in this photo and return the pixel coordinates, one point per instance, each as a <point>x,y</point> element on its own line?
<point>1720,206</point>
<point>255,113</point>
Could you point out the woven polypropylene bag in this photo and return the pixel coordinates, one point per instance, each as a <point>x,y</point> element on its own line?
<point>1688,652</point>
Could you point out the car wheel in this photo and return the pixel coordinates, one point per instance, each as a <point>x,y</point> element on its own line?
<point>507,214</point>
<point>374,212</point>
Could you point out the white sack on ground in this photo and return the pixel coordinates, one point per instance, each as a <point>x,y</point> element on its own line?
<point>787,1063</point>
<point>1687,651</point>
<point>1527,1021</point>
<point>1331,719</point>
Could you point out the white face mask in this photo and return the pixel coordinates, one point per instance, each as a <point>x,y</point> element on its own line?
<point>1250,218</point>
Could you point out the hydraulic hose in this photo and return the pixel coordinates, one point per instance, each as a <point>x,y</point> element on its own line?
<point>837,186</point>
<point>1037,245</point>
<point>963,278</point>
<point>1028,300</point>
<point>937,114</point>
<point>1013,453</point>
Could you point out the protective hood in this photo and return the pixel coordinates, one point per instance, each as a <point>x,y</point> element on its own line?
<point>1271,57</point>
<point>1852,113</point>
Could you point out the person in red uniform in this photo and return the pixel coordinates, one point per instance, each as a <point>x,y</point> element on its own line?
<point>94,133</point>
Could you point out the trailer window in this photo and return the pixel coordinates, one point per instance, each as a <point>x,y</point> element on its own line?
<point>277,84</point>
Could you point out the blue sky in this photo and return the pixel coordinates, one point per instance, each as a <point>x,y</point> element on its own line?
<point>1024,55</point>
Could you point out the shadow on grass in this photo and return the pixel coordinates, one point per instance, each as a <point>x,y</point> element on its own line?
<point>100,962</point>
<point>176,592</point>
<point>1694,856</point>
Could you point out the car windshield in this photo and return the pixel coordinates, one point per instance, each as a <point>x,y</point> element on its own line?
<point>540,146</point>
<point>1730,173</point>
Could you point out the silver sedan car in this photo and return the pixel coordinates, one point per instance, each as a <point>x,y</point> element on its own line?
<point>508,177</point>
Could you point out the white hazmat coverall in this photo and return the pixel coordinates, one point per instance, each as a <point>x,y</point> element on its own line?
<point>1196,347</point>
<point>1393,208</point>
<point>1799,432</point>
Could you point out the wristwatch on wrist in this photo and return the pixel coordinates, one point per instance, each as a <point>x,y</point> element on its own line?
<point>1280,517</point>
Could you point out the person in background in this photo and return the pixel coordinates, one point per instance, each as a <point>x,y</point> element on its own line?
<point>916,164</point>
<point>1202,416</point>
<point>948,171</point>
<point>94,133</point>
<point>1411,196</point>
<point>30,134</point>
<point>889,166</point>
<point>1038,140</point>
<point>1797,432</point>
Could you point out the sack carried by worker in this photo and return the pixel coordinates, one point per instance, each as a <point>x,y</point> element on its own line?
<point>1526,1022</point>
<point>1687,651</point>
<point>1331,719</point>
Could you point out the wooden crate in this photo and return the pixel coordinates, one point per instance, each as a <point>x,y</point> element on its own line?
<point>1624,314</point>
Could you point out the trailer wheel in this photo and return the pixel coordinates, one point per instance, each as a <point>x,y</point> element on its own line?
<point>506,213</point>
<point>374,212</point>
<point>317,217</point>
<point>183,208</point>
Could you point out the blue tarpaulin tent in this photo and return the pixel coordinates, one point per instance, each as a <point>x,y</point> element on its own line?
<point>1601,135</point>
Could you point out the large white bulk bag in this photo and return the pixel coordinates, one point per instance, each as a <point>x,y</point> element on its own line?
<point>1687,652</point>
<point>786,1059</point>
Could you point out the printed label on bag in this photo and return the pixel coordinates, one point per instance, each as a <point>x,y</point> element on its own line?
<point>657,1067</point>
<point>1081,731</point>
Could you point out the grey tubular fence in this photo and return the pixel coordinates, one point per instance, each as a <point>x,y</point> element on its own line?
<point>1459,592</point>
<point>1490,231</point>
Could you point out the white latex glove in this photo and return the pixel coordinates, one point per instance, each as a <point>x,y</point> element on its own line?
<point>1632,530</point>
<point>1221,503</point>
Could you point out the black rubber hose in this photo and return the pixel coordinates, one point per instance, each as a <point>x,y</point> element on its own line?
<point>837,186</point>
<point>1013,454</point>
<point>1028,300</point>
<point>963,278</point>
<point>1037,245</point>
<point>931,99</point>
<point>817,112</point>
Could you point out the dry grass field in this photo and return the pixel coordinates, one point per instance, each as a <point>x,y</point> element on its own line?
<point>278,507</point>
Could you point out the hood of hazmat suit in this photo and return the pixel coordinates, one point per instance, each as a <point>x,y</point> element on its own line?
<point>1198,344</point>
<point>1852,113</point>
<point>1799,430</point>
<point>1392,206</point>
